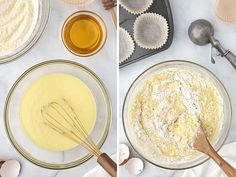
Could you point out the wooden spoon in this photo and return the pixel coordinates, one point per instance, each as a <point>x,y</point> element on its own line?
<point>202,144</point>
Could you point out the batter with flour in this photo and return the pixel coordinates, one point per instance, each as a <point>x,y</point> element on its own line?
<point>18,19</point>
<point>168,109</point>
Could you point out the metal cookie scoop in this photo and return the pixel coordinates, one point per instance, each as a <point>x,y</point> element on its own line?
<point>201,32</point>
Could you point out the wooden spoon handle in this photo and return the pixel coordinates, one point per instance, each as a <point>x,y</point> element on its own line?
<point>225,166</point>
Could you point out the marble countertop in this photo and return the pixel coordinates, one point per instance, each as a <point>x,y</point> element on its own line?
<point>49,47</point>
<point>184,12</point>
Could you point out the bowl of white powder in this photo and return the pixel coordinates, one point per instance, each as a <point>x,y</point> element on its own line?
<point>21,24</point>
<point>166,105</point>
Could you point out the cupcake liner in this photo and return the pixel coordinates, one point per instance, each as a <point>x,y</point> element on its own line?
<point>136,6</point>
<point>151,31</point>
<point>79,2</point>
<point>126,45</point>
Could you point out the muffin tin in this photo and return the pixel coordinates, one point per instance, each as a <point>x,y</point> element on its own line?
<point>127,20</point>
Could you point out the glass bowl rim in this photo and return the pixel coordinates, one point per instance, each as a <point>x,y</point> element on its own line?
<point>77,13</point>
<point>30,44</point>
<point>140,75</point>
<point>27,155</point>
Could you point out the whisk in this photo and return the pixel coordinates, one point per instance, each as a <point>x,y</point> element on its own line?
<point>62,118</point>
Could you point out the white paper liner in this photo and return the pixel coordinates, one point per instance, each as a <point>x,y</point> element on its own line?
<point>136,6</point>
<point>151,31</point>
<point>126,45</point>
<point>79,2</point>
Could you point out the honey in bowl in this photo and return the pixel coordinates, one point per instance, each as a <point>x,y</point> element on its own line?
<point>84,33</point>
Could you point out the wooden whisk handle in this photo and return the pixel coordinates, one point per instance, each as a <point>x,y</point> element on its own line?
<point>109,4</point>
<point>108,164</point>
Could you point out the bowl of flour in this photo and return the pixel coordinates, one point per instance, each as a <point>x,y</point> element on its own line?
<point>166,105</point>
<point>21,24</point>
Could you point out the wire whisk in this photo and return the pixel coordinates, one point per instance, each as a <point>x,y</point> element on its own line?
<point>62,118</point>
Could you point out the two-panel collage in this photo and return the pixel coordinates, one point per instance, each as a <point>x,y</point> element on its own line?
<point>117,88</point>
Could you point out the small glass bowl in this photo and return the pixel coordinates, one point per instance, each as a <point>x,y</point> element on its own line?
<point>71,47</point>
<point>199,159</point>
<point>43,14</point>
<point>56,159</point>
<point>79,2</point>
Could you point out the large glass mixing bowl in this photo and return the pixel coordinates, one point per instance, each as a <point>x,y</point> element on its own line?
<point>56,159</point>
<point>134,88</point>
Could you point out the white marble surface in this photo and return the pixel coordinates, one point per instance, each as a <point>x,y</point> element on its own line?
<point>184,12</point>
<point>48,47</point>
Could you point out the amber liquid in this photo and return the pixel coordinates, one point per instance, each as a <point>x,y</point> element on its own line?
<point>83,34</point>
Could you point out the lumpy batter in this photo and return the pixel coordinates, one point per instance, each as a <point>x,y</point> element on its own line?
<point>50,88</point>
<point>168,110</point>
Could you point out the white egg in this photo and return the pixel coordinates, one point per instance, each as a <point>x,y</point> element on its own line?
<point>10,168</point>
<point>134,166</point>
<point>124,154</point>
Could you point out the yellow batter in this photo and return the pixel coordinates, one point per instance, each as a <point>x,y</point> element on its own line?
<point>170,107</point>
<point>50,88</point>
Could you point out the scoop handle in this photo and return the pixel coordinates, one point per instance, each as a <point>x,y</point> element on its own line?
<point>224,53</point>
<point>108,164</point>
<point>231,58</point>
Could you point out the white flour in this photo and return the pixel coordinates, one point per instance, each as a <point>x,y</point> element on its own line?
<point>169,108</point>
<point>18,19</point>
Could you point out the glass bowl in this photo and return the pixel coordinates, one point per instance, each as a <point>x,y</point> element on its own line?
<point>200,158</point>
<point>79,2</point>
<point>43,14</point>
<point>36,154</point>
<point>70,46</point>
